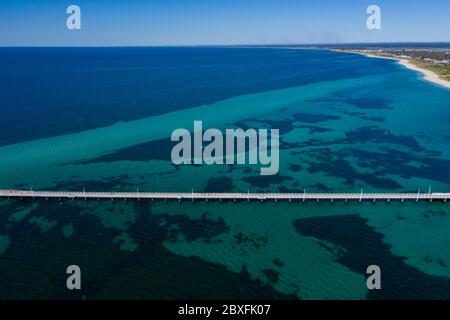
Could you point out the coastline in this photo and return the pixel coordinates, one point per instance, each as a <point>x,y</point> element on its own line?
<point>427,75</point>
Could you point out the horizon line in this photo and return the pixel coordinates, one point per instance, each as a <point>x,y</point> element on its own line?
<point>228,45</point>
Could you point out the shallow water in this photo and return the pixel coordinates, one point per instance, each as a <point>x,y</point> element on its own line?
<point>369,124</point>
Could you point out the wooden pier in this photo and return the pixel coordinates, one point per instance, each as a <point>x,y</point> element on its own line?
<point>205,196</point>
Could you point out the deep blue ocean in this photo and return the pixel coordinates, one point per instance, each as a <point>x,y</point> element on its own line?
<point>101,118</point>
<point>53,91</point>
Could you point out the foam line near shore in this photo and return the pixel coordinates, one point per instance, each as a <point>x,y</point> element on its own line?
<point>427,75</point>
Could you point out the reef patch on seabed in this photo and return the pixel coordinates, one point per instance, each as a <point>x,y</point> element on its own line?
<point>152,150</point>
<point>307,251</point>
<point>4,243</point>
<point>219,184</point>
<point>149,271</point>
<point>261,239</point>
<point>364,246</point>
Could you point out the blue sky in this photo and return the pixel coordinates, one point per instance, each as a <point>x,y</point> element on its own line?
<point>178,22</point>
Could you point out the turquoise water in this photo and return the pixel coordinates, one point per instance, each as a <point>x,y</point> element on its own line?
<point>346,122</point>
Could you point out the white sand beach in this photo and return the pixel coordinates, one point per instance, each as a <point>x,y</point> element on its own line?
<point>427,75</point>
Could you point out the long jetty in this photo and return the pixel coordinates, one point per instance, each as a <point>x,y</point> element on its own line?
<point>205,196</point>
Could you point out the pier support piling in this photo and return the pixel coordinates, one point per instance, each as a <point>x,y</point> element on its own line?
<point>275,197</point>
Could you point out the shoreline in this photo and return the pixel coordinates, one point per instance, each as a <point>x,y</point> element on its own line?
<point>427,75</point>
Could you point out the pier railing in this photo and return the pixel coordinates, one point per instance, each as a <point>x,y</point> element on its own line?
<point>233,196</point>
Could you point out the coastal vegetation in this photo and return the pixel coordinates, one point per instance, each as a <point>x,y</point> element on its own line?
<point>437,61</point>
<point>434,60</point>
<point>442,70</point>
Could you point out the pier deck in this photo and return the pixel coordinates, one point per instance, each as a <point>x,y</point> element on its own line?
<point>192,196</point>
